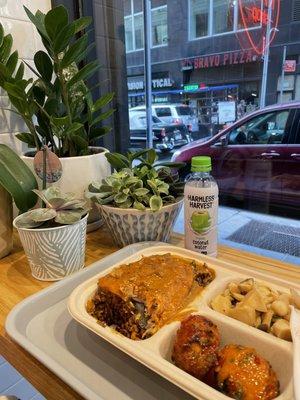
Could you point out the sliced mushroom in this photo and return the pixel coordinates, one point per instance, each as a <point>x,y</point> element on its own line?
<point>267,319</point>
<point>255,300</point>
<point>237,296</point>
<point>295,298</point>
<point>233,287</point>
<point>221,304</point>
<point>244,314</point>
<point>280,308</point>
<point>246,285</point>
<point>281,329</point>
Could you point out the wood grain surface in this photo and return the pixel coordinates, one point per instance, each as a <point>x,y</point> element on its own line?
<point>16,283</point>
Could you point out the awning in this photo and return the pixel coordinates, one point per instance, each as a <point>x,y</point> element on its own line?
<point>182,91</point>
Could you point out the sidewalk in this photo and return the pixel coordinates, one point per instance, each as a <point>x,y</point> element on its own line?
<point>267,235</point>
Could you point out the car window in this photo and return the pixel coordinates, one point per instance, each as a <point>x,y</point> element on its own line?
<point>163,112</point>
<point>268,128</point>
<point>139,121</point>
<point>185,111</point>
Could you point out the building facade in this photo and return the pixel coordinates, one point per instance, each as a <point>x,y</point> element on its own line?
<point>207,51</point>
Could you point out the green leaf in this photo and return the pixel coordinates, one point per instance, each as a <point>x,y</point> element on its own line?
<point>81,23</point>
<point>12,62</point>
<point>20,72</point>
<point>141,192</point>
<point>61,121</point>
<point>102,117</point>
<point>117,161</point>
<point>44,65</point>
<point>75,51</point>
<point>26,137</point>
<point>6,48</point>
<point>1,34</point>
<point>155,203</point>
<point>38,21</point>
<point>68,217</point>
<point>73,128</point>
<point>17,179</point>
<point>39,95</point>
<point>139,206</point>
<point>32,69</point>
<point>14,90</point>
<point>120,198</point>
<point>63,38</point>
<point>80,142</point>
<point>55,20</point>
<point>86,72</point>
<point>103,101</point>
<point>96,133</point>
<point>151,156</point>
<point>170,164</point>
<point>137,154</point>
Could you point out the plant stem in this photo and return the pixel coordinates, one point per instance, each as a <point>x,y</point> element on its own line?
<point>63,87</point>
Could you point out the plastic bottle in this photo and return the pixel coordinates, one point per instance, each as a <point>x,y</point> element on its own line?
<point>201,199</point>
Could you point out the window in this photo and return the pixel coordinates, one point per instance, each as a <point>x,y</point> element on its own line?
<point>223,16</point>
<point>199,18</point>
<point>163,112</point>
<point>215,17</point>
<point>134,25</point>
<point>159,26</point>
<point>185,111</point>
<point>264,129</point>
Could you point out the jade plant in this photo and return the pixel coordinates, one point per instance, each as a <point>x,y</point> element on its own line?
<point>61,209</point>
<point>57,106</point>
<point>138,182</point>
<point>17,179</point>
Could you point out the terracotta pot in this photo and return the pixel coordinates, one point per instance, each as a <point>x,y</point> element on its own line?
<point>78,173</point>
<point>54,253</point>
<point>129,225</point>
<point>6,223</point>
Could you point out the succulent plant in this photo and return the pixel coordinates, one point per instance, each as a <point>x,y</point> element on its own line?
<point>138,182</point>
<point>61,209</point>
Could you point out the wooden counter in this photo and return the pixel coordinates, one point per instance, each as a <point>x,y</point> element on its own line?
<point>16,283</point>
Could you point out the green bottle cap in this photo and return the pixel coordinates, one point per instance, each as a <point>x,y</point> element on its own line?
<point>201,164</point>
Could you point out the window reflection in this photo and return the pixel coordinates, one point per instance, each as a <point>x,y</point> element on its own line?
<point>223,16</point>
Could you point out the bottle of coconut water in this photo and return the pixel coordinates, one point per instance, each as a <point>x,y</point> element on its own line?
<point>201,208</point>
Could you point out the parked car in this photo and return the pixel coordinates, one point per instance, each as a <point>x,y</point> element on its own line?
<point>174,114</point>
<point>165,136</point>
<point>257,157</point>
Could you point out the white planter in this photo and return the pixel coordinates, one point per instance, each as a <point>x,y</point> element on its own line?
<point>78,173</point>
<point>129,226</point>
<point>6,218</point>
<point>54,253</point>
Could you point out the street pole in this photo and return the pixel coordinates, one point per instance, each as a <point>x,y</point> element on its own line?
<point>266,57</point>
<point>282,74</point>
<point>148,74</point>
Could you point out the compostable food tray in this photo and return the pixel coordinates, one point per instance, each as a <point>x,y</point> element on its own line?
<point>155,352</point>
<point>99,371</point>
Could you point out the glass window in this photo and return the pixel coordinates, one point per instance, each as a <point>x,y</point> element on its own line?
<point>223,16</point>
<point>264,129</point>
<point>185,111</point>
<point>139,31</point>
<point>128,34</point>
<point>163,112</point>
<point>250,14</point>
<point>127,7</point>
<point>159,26</point>
<point>138,6</point>
<point>199,18</point>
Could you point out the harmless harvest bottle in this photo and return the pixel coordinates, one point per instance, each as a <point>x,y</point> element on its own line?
<point>201,198</point>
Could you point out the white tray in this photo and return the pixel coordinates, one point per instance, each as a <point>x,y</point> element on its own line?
<point>155,352</point>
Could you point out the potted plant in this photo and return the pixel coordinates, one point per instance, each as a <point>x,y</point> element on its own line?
<point>141,200</point>
<point>54,237</point>
<point>57,107</point>
<point>17,183</point>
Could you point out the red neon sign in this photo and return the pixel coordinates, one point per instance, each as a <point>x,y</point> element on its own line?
<point>251,14</point>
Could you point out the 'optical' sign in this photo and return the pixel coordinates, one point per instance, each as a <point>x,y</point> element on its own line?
<point>159,83</point>
<point>217,60</point>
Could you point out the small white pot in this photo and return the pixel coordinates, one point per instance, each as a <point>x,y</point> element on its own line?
<point>78,173</point>
<point>54,253</point>
<point>129,225</point>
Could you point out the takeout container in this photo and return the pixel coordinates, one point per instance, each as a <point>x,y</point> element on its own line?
<point>155,352</point>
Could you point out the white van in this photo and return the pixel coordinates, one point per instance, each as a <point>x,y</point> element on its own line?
<point>174,114</point>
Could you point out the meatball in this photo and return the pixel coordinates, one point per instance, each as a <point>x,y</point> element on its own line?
<point>196,344</point>
<point>244,375</point>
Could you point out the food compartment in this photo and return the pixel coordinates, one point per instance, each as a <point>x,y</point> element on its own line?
<point>274,351</point>
<point>262,305</point>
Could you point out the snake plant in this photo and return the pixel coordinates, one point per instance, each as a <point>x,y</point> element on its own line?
<point>17,179</point>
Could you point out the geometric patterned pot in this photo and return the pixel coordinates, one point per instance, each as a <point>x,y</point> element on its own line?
<point>128,225</point>
<point>6,219</point>
<point>54,253</point>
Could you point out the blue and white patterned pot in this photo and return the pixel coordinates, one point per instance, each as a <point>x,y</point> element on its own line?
<point>54,253</point>
<point>129,226</point>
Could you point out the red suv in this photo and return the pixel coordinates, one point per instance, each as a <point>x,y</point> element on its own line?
<point>257,157</point>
